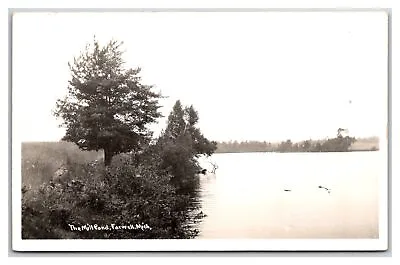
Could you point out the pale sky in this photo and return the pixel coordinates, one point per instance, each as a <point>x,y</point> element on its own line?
<point>252,76</point>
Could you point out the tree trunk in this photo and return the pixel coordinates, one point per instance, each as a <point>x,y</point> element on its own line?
<point>108,154</point>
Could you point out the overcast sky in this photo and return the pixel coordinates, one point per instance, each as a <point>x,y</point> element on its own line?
<point>252,76</point>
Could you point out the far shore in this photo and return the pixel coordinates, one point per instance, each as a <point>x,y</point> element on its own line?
<point>349,151</point>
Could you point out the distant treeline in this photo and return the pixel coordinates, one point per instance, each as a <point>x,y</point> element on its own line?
<point>338,144</point>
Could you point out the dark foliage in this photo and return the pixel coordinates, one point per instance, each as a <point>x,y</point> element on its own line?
<point>122,194</point>
<point>107,106</point>
<point>154,186</point>
<point>150,183</point>
<point>179,146</point>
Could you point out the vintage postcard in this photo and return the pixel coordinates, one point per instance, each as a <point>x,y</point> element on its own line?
<point>200,130</point>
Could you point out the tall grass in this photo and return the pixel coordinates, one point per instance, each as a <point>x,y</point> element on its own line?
<point>40,160</point>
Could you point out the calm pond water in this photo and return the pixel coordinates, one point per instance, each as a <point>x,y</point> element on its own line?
<point>246,198</point>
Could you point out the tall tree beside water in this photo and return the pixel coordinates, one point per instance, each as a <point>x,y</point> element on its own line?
<point>107,106</point>
<point>180,144</point>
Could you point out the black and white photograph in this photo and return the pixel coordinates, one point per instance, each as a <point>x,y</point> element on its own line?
<point>200,130</point>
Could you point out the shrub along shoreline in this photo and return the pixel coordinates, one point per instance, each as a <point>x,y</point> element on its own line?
<point>153,188</point>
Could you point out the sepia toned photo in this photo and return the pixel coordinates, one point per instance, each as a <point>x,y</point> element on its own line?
<point>211,130</point>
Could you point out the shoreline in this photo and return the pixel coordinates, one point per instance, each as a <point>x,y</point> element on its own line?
<point>348,151</point>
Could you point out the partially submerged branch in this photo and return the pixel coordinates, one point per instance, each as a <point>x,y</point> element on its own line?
<point>215,167</point>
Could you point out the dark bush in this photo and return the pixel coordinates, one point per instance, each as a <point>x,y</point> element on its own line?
<point>122,194</point>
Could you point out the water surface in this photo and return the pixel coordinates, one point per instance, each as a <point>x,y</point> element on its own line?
<point>246,198</point>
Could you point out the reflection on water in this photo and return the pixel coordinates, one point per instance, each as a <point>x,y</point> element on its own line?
<point>246,198</point>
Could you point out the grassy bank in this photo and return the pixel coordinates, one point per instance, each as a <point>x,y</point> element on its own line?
<point>40,160</point>
<point>130,192</point>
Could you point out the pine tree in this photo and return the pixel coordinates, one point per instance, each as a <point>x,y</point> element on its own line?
<point>181,126</point>
<point>176,123</point>
<point>181,143</point>
<point>107,106</point>
<point>201,145</point>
